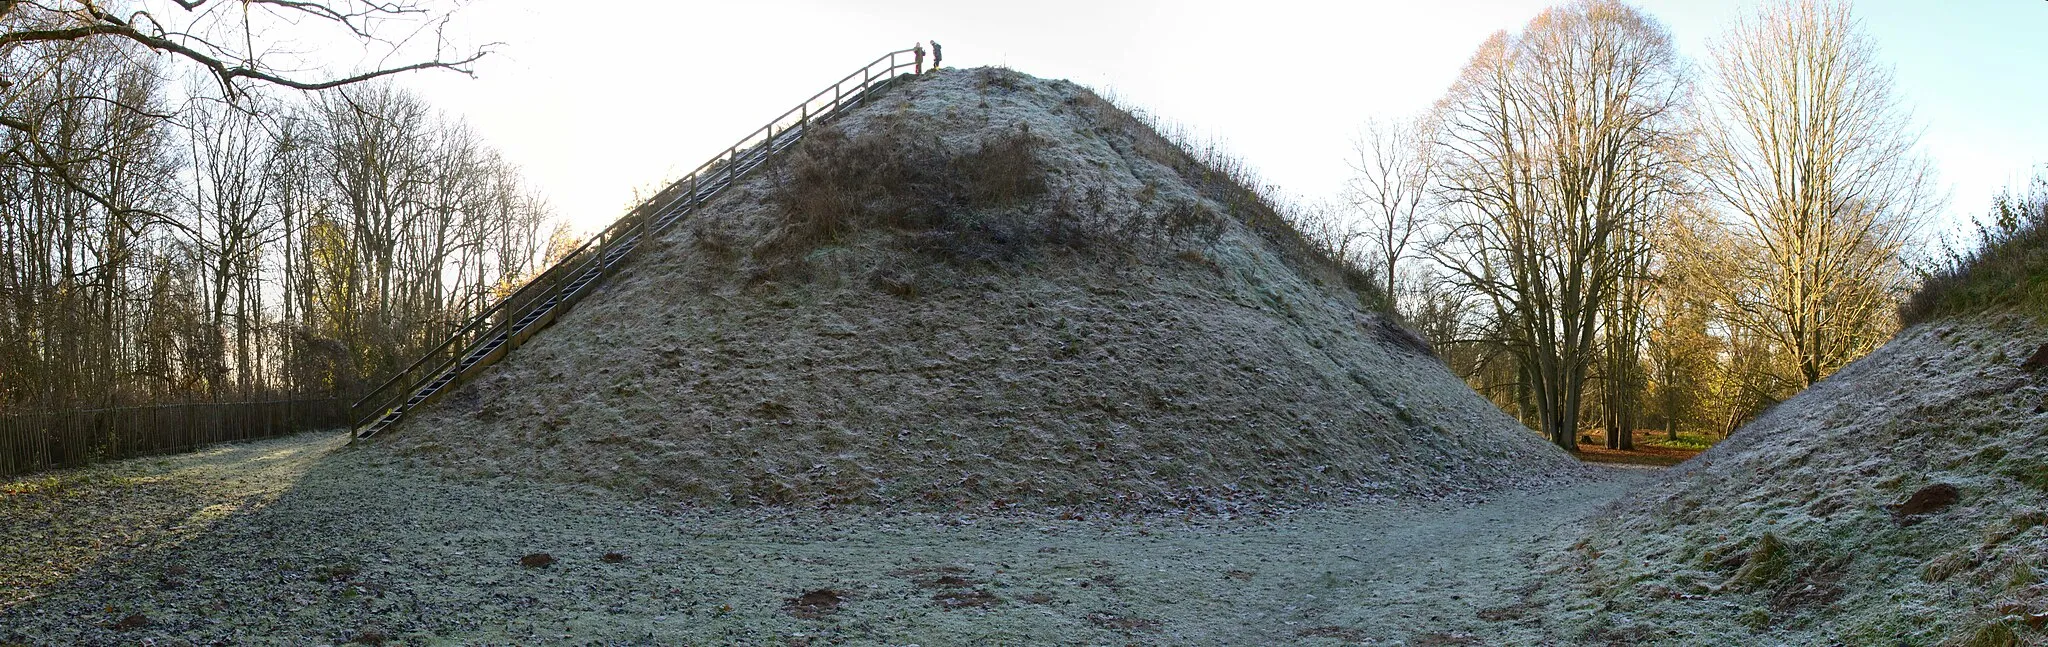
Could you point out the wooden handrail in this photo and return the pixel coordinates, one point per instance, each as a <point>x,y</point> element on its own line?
<point>481,330</point>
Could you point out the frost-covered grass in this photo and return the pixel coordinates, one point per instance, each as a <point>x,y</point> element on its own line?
<point>1794,531</point>
<point>52,526</point>
<point>357,551</point>
<point>881,319</point>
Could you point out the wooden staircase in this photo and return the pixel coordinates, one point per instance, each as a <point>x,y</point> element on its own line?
<point>487,337</point>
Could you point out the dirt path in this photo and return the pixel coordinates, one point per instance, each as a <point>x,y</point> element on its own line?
<point>358,551</point>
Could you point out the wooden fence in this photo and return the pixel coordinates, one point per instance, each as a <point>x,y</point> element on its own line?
<point>31,442</point>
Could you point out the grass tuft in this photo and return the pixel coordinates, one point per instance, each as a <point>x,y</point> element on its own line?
<point>1993,633</point>
<point>1766,562</point>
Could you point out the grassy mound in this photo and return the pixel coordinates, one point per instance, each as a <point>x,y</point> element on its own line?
<point>1902,501</point>
<point>982,290</point>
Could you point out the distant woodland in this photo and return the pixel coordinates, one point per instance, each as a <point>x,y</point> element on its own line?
<point>1598,233</point>
<point>179,221</point>
<point>1593,230</point>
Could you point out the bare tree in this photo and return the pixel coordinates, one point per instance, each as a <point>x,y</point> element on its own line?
<point>1811,151</point>
<point>153,247</point>
<point>1391,176</point>
<point>1624,324</point>
<point>240,45</point>
<point>1555,144</point>
<point>231,222</point>
<point>231,41</point>
<point>70,262</point>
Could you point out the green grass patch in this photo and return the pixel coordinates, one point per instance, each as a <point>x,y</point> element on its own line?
<point>1689,441</point>
<point>54,485</point>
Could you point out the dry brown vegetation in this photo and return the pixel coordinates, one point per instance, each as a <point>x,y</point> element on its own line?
<point>959,208</point>
<point>2005,270</point>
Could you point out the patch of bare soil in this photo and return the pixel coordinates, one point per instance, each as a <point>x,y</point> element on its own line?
<point>1900,501</point>
<point>350,551</point>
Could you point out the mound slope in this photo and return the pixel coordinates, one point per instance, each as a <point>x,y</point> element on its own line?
<point>1900,501</point>
<point>982,289</point>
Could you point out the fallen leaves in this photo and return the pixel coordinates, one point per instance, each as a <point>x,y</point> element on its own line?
<point>1503,614</point>
<point>2037,361</point>
<point>1440,639</point>
<point>537,560</point>
<point>959,591</point>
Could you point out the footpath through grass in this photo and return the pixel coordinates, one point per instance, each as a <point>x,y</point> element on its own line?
<point>360,551</point>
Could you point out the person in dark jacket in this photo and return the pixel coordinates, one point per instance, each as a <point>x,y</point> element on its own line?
<point>936,57</point>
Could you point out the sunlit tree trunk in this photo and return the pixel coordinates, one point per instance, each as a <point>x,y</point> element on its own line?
<point>1555,143</point>
<point>1812,153</point>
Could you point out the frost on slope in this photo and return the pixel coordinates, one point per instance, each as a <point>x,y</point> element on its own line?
<point>1791,530</point>
<point>1132,334</point>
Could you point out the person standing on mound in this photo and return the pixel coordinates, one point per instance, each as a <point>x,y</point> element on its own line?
<point>936,57</point>
<point>918,53</point>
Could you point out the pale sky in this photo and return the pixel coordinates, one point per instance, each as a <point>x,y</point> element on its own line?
<point>594,100</point>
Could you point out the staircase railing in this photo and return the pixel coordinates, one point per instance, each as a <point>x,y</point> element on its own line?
<point>485,338</point>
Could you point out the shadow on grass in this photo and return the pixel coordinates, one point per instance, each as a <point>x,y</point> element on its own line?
<point>84,529</point>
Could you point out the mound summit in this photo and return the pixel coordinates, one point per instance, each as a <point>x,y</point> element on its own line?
<point>981,289</point>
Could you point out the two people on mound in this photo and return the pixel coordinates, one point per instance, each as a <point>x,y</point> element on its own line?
<point>918,50</point>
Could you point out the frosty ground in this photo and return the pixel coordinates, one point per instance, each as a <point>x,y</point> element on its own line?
<point>310,543</point>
